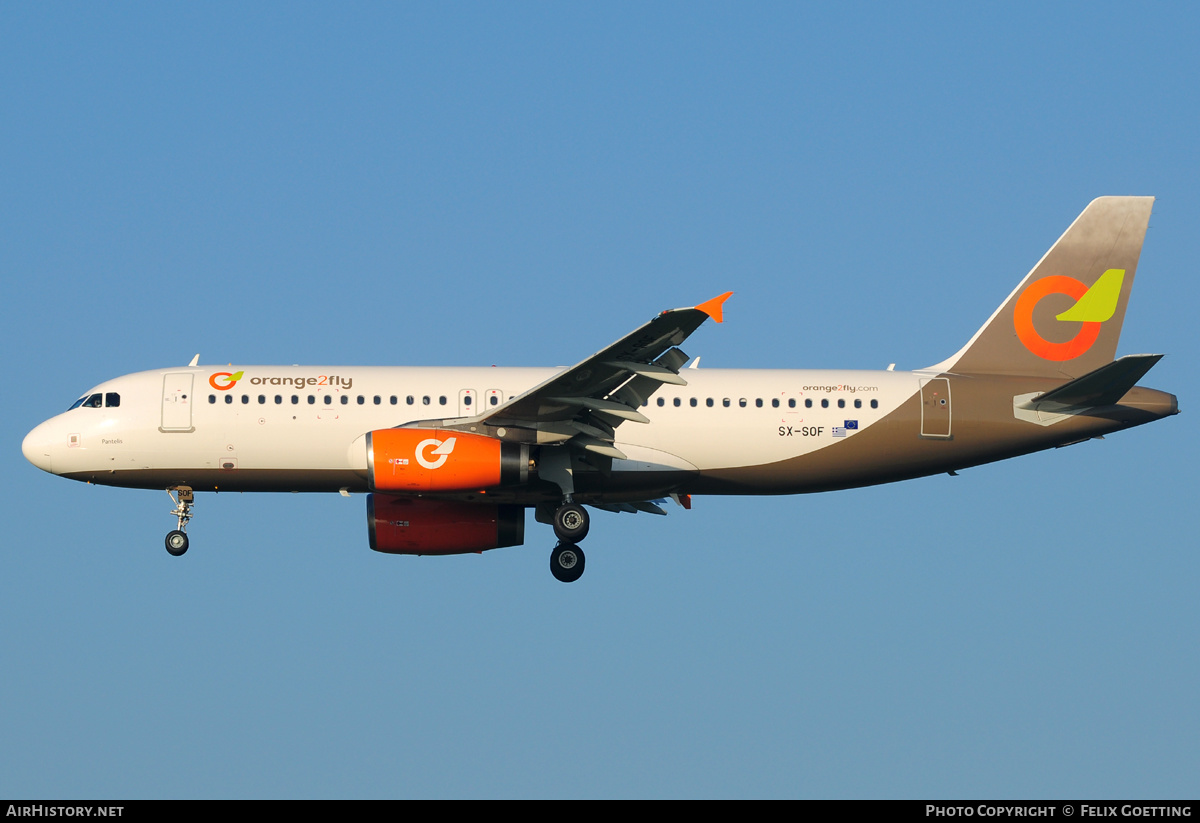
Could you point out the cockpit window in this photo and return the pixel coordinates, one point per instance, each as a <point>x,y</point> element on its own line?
<point>112,399</point>
<point>78,403</point>
<point>95,401</point>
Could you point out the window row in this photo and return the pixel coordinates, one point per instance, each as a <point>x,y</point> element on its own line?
<point>758,402</point>
<point>442,400</point>
<point>361,400</point>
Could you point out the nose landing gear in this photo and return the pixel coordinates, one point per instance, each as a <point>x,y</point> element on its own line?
<point>177,539</point>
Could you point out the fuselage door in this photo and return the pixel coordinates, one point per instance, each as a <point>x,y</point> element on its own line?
<point>177,402</point>
<point>935,407</point>
<point>468,403</point>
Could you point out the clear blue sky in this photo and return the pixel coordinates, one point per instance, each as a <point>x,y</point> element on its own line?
<point>520,184</point>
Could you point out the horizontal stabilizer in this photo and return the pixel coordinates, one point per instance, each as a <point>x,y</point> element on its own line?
<point>1105,386</point>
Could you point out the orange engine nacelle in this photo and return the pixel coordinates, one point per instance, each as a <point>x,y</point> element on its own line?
<point>416,461</point>
<point>410,525</point>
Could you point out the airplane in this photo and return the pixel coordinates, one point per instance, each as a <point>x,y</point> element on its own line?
<point>450,458</point>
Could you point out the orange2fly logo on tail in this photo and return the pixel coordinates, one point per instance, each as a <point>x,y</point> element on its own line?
<point>1092,307</point>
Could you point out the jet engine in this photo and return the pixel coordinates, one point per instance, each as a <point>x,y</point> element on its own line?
<point>411,525</point>
<point>416,461</point>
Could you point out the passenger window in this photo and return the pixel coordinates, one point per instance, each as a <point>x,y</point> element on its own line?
<point>112,399</point>
<point>229,399</point>
<point>758,402</point>
<point>442,400</point>
<point>295,399</point>
<point>345,399</point>
<point>874,404</point>
<point>278,399</point>
<point>245,399</point>
<point>262,400</point>
<point>212,398</point>
<point>378,400</point>
<point>410,400</point>
<point>709,402</point>
<point>808,403</point>
<point>791,402</point>
<point>361,400</point>
<point>693,402</point>
<point>858,404</point>
<point>725,402</point>
<point>774,402</point>
<point>662,401</point>
<point>841,403</point>
<point>495,400</point>
<point>394,399</point>
<point>467,401</point>
<point>678,402</point>
<point>312,400</point>
<point>329,400</point>
<point>824,402</point>
<point>425,400</point>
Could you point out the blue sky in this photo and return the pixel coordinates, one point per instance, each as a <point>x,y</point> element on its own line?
<point>459,184</point>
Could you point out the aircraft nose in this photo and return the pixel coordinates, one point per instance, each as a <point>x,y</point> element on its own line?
<point>36,448</point>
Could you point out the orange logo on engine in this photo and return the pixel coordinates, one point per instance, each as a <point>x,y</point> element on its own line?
<point>1028,335</point>
<point>443,450</point>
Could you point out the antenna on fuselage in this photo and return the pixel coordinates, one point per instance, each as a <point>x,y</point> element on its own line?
<point>195,361</point>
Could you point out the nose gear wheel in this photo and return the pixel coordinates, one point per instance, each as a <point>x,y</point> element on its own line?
<point>177,540</point>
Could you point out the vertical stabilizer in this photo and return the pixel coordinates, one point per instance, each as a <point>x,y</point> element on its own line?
<point>1064,319</point>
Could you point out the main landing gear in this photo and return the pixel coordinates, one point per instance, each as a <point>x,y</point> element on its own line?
<point>566,562</point>
<point>571,524</point>
<point>177,539</point>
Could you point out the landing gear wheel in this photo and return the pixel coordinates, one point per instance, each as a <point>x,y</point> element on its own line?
<point>177,543</point>
<point>566,562</point>
<point>184,498</point>
<point>571,523</point>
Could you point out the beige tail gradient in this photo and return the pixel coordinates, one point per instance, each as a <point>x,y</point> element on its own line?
<point>1064,319</point>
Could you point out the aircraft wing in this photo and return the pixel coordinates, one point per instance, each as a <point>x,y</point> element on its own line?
<point>585,403</point>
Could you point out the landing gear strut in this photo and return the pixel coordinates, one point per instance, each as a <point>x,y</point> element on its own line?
<point>177,539</point>
<point>566,562</point>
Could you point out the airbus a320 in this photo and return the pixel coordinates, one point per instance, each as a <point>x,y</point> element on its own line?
<point>451,458</point>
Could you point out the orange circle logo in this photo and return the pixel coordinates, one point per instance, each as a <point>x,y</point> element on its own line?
<point>1028,335</point>
<point>227,380</point>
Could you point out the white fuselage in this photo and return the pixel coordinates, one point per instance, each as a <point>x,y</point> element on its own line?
<point>301,428</point>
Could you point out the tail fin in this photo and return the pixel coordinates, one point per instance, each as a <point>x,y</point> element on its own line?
<point>1064,319</point>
